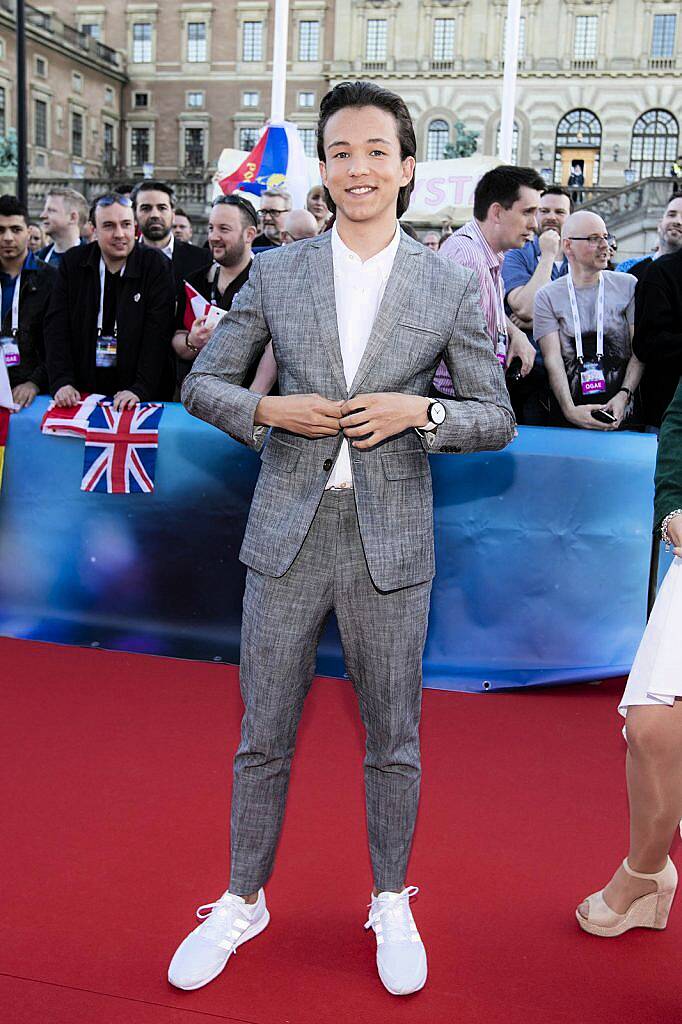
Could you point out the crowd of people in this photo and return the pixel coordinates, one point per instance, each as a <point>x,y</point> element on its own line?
<point>94,299</point>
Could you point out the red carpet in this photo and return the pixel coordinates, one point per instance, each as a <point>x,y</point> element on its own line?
<point>117,774</point>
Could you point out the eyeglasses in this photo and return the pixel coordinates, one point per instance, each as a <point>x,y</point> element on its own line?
<point>242,203</point>
<point>110,200</point>
<point>594,240</point>
<point>273,213</point>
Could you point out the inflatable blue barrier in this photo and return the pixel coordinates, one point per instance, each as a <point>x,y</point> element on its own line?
<point>542,553</point>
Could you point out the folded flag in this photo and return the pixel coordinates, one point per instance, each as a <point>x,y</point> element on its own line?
<point>4,425</point>
<point>278,159</point>
<point>72,422</point>
<point>120,449</point>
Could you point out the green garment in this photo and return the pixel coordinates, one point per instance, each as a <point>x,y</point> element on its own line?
<point>669,462</point>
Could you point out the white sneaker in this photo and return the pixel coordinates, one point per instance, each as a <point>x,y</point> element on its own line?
<point>226,924</point>
<point>401,957</point>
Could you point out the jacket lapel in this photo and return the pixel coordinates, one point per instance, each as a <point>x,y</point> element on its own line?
<point>393,303</point>
<point>321,278</point>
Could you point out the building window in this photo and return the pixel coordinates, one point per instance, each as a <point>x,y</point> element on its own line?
<point>108,96</point>
<point>663,37</point>
<point>194,149</point>
<point>139,146</point>
<point>92,29</point>
<point>306,99</point>
<point>77,81</point>
<point>309,140</point>
<point>578,129</point>
<point>585,40</point>
<point>248,137</point>
<point>40,124</point>
<point>195,100</point>
<point>3,108</point>
<point>41,67</point>
<point>443,40</point>
<point>197,49</point>
<point>108,155</point>
<point>437,139</point>
<point>515,143</point>
<point>252,41</point>
<point>309,40</point>
<point>522,38</point>
<point>250,99</point>
<point>375,47</point>
<point>141,100</point>
<point>142,42</point>
<point>655,140</point>
<point>76,134</point>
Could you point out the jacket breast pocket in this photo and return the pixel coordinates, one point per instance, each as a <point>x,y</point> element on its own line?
<point>280,455</point>
<point>405,465</point>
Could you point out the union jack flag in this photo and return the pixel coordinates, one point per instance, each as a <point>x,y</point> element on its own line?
<point>70,421</point>
<point>120,449</point>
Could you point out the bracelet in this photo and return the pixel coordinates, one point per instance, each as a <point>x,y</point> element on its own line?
<point>627,392</point>
<point>665,537</point>
<point>191,347</point>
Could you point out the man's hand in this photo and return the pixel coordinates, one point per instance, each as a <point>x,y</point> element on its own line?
<point>520,346</point>
<point>550,243</point>
<point>617,406</point>
<point>675,534</point>
<point>23,394</point>
<point>376,417</point>
<point>306,415</point>
<point>199,334</point>
<point>581,416</point>
<point>125,400</point>
<point>67,397</point>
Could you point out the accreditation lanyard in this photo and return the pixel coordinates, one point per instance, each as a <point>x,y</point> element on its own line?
<point>9,347</point>
<point>502,337</point>
<point>106,345</point>
<point>577,331</point>
<point>100,315</point>
<point>48,254</point>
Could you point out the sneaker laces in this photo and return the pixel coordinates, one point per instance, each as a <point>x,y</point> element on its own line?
<point>221,920</point>
<point>397,923</point>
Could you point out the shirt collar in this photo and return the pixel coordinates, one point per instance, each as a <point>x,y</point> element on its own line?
<point>381,261</point>
<point>493,259</point>
<point>167,249</point>
<point>30,263</point>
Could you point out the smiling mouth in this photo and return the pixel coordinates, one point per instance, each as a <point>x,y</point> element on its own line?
<point>361,190</point>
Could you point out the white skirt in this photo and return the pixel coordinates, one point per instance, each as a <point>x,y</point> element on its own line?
<point>656,676</point>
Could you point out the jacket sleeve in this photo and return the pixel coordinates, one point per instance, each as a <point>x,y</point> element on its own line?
<point>669,462</point>
<point>213,389</point>
<point>38,375</point>
<point>480,417</point>
<point>155,350</point>
<point>57,335</point>
<point>658,332</point>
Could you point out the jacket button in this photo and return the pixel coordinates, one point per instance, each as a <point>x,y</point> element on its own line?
<point>327,465</point>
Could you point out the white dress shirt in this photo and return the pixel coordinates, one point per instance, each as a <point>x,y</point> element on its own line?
<point>358,291</point>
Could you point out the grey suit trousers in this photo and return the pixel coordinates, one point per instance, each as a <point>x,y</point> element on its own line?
<point>383,636</point>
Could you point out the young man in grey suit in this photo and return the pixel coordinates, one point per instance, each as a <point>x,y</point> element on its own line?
<point>342,515</point>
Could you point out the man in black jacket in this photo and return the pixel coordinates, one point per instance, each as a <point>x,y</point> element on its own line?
<point>26,286</point>
<point>658,334</point>
<point>154,203</point>
<point>110,321</point>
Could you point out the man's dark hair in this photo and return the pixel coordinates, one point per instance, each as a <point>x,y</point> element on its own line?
<point>557,190</point>
<point>367,94</point>
<point>502,185</point>
<point>11,207</point>
<point>179,212</point>
<point>151,185</point>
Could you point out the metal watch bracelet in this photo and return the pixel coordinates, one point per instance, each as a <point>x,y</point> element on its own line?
<point>665,537</point>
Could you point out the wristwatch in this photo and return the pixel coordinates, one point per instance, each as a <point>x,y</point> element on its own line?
<point>190,346</point>
<point>435,413</point>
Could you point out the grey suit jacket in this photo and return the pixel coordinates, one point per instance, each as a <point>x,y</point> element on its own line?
<point>430,308</point>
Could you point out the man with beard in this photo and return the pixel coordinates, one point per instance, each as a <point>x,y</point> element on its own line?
<point>154,205</point>
<point>232,227</point>
<point>669,229</point>
<point>275,205</point>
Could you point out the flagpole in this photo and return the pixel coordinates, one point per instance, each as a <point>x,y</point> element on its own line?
<point>511,63</point>
<point>279,61</point>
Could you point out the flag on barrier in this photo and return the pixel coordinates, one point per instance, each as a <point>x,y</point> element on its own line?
<point>4,426</point>
<point>71,422</point>
<point>120,449</point>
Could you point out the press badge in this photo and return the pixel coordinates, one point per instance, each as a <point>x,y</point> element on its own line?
<point>105,353</point>
<point>592,379</point>
<point>501,347</point>
<point>10,351</point>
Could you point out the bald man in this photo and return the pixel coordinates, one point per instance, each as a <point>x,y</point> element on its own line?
<point>591,368</point>
<point>298,224</point>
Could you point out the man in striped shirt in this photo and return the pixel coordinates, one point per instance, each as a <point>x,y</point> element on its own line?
<point>506,202</point>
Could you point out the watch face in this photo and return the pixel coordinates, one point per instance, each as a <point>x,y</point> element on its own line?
<point>437,412</point>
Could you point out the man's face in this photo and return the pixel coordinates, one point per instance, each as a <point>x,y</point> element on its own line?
<point>517,224</point>
<point>273,211</point>
<point>670,227</point>
<point>363,169</point>
<point>13,238</point>
<point>115,230</point>
<point>154,214</point>
<point>431,240</point>
<point>56,217</point>
<point>182,229</point>
<point>589,247</point>
<point>552,212</point>
<point>228,239</point>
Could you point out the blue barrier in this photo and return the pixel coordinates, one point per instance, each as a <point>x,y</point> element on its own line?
<point>542,553</point>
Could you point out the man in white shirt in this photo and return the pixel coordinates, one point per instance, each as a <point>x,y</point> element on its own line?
<point>342,515</point>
